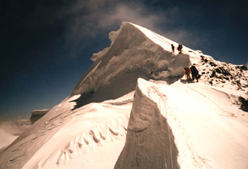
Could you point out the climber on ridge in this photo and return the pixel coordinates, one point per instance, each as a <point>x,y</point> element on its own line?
<point>172,48</point>
<point>187,73</point>
<point>179,48</point>
<point>194,73</point>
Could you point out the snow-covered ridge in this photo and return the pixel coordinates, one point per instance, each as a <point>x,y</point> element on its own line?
<point>150,142</point>
<point>162,123</point>
<point>132,54</point>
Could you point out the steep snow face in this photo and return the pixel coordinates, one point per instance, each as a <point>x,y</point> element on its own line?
<point>150,142</point>
<point>132,54</point>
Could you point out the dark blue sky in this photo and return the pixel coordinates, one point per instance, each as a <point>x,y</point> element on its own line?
<point>46,45</point>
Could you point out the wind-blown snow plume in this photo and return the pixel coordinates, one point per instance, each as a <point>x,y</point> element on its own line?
<point>106,15</point>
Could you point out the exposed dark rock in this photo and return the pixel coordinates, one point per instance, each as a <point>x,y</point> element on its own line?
<point>242,67</point>
<point>204,59</point>
<point>238,84</point>
<point>226,78</point>
<point>244,103</point>
<point>218,70</point>
<point>37,114</point>
<point>213,74</point>
<point>212,64</point>
<point>223,71</point>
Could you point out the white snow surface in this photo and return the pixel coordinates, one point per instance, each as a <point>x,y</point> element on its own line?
<point>10,130</point>
<point>134,52</point>
<point>208,129</point>
<point>6,139</point>
<point>210,132</point>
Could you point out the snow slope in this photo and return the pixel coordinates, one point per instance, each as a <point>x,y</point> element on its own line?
<point>10,130</point>
<point>207,130</point>
<point>210,131</point>
<point>162,123</point>
<point>6,139</point>
<point>62,137</point>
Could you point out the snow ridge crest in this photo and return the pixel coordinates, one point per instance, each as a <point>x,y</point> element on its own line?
<point>149,142</point>
<point>132,54</point>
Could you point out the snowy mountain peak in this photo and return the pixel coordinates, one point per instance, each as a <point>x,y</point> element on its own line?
<point>134,52</point>
<point>138,52</point>
<point>135,109</point>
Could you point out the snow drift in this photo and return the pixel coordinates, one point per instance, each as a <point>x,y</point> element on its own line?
<point>164,123</point>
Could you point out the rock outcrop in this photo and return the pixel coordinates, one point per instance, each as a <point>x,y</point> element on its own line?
<point>37,114</point>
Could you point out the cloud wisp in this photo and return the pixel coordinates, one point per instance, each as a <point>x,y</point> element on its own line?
<point>88,18</point>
